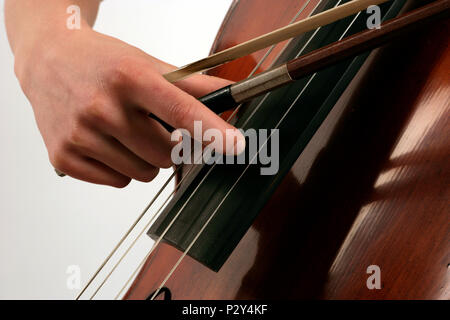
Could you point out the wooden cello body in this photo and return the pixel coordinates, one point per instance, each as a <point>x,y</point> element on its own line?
<point>370,190</point>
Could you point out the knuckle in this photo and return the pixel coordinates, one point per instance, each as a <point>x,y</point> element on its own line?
<point>147,175</point>
<point>165,162</point>
<point>78,139</point>
<point>59,159</point>
<point>120,183</point>
<point>122,71</point>
<point>75,136</point>
<point>94,109</point>
<point>181,114</point>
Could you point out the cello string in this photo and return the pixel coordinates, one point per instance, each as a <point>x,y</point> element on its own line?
<point>236,110</point>
<point>164,186</point>
<point>127,233</point>
<point>232,115</point>
<point>147,225</point>
<point>268,93</point>
<point>228,120</point>
<point>242,174</point>
<point>325,17</point>
<point>215,210</point>
<point>298,55</point>
<point>204,178</point>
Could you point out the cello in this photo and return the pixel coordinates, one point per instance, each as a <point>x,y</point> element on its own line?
<point>362,182</point>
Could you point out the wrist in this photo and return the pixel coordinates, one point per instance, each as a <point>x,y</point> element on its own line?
<point>44,43</point>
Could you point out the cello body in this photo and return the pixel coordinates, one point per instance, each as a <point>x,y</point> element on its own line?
<point>369,193</point>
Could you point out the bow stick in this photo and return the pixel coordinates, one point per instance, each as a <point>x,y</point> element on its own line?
<point>233,95</point>
<point>273,37</point>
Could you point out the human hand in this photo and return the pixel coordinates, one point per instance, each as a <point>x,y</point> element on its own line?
<point>91,95</point>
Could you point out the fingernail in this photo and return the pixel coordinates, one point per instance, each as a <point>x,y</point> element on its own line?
<point>239,142</point>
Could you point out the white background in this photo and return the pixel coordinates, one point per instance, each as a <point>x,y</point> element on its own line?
<point>48,223</point>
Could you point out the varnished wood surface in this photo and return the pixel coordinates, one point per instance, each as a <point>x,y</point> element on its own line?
<point>368,39</point>
<point>297,28</point>
<point>372,188</point>
<point>243,22</point>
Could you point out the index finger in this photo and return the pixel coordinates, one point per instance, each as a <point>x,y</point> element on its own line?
<point>181,110</point>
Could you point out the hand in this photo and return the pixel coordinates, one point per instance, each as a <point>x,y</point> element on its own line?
<point>91,95</point>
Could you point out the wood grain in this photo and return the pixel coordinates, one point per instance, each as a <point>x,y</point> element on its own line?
<point>372,188</point>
